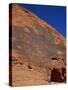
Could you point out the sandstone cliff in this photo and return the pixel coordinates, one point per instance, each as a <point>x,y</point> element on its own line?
<point>37,50</point>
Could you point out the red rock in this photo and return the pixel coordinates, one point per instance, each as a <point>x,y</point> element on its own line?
<point>37,50</point>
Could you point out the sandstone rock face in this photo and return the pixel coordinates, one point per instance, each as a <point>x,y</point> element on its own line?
<point>37,50</point>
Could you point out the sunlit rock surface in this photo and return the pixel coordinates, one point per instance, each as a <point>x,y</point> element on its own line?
<point>37,50</point>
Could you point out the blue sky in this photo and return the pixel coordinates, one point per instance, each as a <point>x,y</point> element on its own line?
<point>54,15</point>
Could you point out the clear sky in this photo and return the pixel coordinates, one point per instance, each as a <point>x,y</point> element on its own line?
<point>54,15</point>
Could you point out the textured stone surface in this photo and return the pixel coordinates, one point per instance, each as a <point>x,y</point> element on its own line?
<point>38,51</point>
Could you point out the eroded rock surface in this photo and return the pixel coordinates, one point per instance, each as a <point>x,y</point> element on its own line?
<point>38,51</point>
